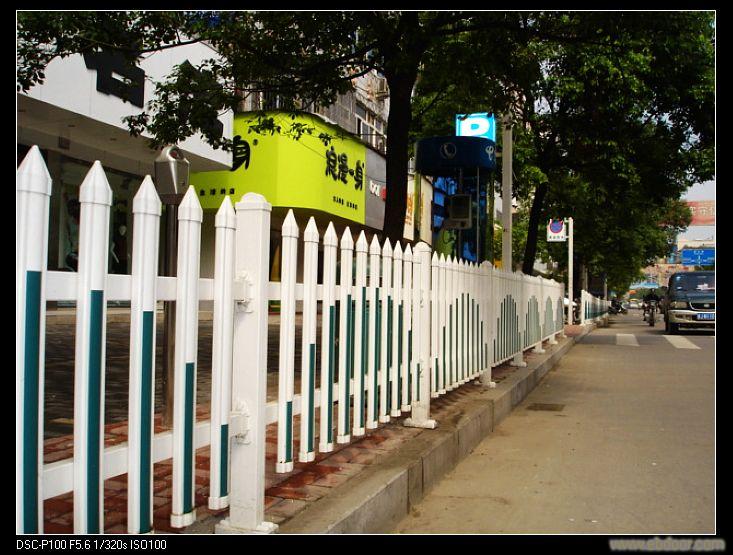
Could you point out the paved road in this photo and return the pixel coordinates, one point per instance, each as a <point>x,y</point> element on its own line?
<point>630,450</point>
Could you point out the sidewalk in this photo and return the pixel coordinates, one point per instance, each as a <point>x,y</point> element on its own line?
<point>321,496</point>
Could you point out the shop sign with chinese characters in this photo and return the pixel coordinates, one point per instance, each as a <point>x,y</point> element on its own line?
<point>301,173</point>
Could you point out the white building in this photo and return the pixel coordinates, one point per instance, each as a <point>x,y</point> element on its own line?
<point>76,117</point>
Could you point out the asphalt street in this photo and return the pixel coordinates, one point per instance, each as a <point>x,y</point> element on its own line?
<point>619,438</point>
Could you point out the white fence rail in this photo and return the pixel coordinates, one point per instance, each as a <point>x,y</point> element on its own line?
<point>401,326</point>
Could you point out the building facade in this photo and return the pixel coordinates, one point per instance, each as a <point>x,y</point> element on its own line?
<point>76,117</point>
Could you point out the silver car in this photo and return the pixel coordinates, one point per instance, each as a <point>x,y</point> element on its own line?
<point>690,301</point>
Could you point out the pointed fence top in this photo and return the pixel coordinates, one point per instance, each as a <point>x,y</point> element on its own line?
<point>225,216</point>
<point>146,199</point>
<point>407,254</point>
<point>347,241</point>
<point>95,188</point>
<point>190,208</point>
<point>290,226</point>
<point>330,239</point>
<point>311,235</point>
<point>374,245</point>
<point>32,175</point>
<point>435,259</point>
<point>387,248</point>
<point>397,253</point>
<point>361,243</point>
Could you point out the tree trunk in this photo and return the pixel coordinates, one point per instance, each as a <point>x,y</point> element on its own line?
<point>398,126</point>
<point>530,248</point>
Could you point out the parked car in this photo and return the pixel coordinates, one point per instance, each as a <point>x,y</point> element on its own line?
<point>690,301</point>
<point>634,304</point>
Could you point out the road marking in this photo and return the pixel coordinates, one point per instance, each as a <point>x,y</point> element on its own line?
<point>680,342</point>
<point>626,339</point>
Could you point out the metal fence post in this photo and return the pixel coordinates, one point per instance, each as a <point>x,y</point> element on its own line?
<point>452,312</point>
<point>443,337</point>
<point>397,323</point>
<point>190,216</point>
<point>375,334</point>
<point>249,370</point>
<point>550,296</point>
<point>33,196</point>
<point>420,417</point>
<point>146,207</point>
<point>541,305</point>
<point>221,356</point>
<point>518,359</point>
<point>487,328</point>
<point>360,337</point>
<point>308,349</point>
<point>286,374</point>
<point>328,339</point>
<point>346,281</point>
<point>407,336</point>
<point>95,197</point>
<point>386,333</point>
<point>436,368</point>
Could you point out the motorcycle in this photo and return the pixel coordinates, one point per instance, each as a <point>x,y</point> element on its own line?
<point>652,311</point>
<point>617,308</point>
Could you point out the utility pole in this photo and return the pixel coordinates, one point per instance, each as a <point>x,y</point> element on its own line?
<point>506,193</point>
<point>570,271</point>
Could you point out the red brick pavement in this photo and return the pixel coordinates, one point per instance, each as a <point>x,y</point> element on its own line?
<point>285,494</point>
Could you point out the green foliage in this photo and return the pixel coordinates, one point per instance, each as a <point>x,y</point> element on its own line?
<point>614,117</point>
<point>614,111</point>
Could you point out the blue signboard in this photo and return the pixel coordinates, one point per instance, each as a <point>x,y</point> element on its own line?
<point>476,125</point>
<point>644,285</point>
<point>698,257</point>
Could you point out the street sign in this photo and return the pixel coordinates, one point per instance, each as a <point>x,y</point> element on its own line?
<point>644,285</point>
<point>476,125</point>
<point>556,231</point>
<point>698,257</point>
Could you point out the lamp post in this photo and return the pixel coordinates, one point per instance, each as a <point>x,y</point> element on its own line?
<point>570,272</point>
<point>506,192</point>
<point>171,181</point>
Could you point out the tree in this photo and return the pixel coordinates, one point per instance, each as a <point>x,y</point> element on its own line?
<point>622,115</point>
<point>614,120</point>
<point>622,101</point>
<point>307,58</point>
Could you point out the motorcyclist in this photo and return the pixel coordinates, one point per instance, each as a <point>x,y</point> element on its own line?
<point>648,298</point>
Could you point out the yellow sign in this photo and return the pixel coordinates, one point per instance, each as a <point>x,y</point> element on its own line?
<point>301,173</point>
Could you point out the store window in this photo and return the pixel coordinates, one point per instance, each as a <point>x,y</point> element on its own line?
<point>124,186</point>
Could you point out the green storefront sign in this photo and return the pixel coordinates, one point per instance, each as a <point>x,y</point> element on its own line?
<point>293,173</point>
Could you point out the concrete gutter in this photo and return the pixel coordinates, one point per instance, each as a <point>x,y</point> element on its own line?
<point>385,491</point>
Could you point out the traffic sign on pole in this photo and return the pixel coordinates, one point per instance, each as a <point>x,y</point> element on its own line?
<point>556,231</point>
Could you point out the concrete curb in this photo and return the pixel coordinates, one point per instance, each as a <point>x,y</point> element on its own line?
<point>383,493</point>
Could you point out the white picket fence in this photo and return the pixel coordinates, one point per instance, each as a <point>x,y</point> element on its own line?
<point>592,309</point>
<point>400,327</point>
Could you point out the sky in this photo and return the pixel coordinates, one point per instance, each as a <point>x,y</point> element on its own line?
<point>701,191</point>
